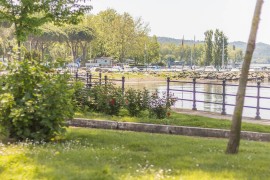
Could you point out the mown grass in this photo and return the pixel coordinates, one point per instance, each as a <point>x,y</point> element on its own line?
<point>139,75</point>
<point>176,119</point>
<point>107,154</point>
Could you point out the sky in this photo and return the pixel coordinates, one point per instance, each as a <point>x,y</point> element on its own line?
<point>189,18</point>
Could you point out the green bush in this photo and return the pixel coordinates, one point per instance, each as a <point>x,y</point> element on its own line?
<point>107,99</point>
<point>159,106</point>
<point>34,103</point>
<point>136,101</point>
<point>81,97</point>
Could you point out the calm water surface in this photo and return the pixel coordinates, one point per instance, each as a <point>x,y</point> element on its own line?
<point>248,112</point>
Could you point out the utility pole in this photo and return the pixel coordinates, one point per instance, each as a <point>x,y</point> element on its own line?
<point>191,58</point>
<point>194,52</point>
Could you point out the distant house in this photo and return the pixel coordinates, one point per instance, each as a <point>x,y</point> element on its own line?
<point>72,65</point>
<point>100,62</point>
<point>130,61</point>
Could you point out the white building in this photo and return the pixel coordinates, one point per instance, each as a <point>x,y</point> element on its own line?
<point>100,62</point>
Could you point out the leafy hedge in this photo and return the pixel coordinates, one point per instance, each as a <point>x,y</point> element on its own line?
<point>34,102</point>
<point>110,99</point>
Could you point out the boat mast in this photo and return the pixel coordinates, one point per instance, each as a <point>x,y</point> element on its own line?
<point>192,49</point>
<point>222,67</point>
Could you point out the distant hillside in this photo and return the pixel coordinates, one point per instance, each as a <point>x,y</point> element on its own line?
<point>175,41</point>
<point>261,53</point>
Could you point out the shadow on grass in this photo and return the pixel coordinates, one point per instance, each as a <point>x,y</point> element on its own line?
<point>106,154</point>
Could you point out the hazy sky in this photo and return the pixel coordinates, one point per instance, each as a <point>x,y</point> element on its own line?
<point>175,18</point>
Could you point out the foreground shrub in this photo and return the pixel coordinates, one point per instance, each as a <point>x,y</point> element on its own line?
<point>136,101</point>
<point>81,97</point>
<point>34,103</point>
<point>107,99</point>
<point>159,107</point>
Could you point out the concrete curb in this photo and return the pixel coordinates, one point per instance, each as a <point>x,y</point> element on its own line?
<point>165,129</point>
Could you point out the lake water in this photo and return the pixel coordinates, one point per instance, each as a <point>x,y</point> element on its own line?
<point>248,112</point>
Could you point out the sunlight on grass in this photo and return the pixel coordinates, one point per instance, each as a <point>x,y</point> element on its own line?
<point>106,154</point>
<point>175,119</point>
<point>14,163</point>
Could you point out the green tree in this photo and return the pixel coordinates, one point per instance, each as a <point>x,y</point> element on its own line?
<point>217,51</point>
<point>6,39</point>
<point>208,47</point>
<point>119,36</point>
<point>49,36</point>
<point>105,25</point>
<point>153,50</point>
<point>126,36</point>
<point>235,54</point>
<point>28,15</point>
<point>140,40</point>
<point>78,37</point>
<point>199,53</point>
<point>234,139</point>
<point>220,41</point>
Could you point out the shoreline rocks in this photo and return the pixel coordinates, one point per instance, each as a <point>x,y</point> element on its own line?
<point>232,76</point>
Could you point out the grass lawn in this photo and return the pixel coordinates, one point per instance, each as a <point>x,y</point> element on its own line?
<point>176,119</point>
<point>107,154</point>
<point>138,75</point>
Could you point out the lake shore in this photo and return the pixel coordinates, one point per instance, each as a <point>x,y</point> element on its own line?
<point>187,75</point>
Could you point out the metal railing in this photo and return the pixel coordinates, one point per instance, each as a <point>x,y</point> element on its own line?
<point>224,94</point>
<point>91,80</point>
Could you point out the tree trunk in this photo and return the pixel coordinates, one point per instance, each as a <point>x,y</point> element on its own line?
<point>19,50</point>
<point>42,52</point>
<point>73,49</point>
<point>84,52</point>
<point>234,139</point>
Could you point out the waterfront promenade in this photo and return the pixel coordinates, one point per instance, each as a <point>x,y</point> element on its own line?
<point>221,117</point>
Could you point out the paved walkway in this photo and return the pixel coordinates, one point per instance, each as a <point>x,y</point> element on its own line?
<point>219,116</point>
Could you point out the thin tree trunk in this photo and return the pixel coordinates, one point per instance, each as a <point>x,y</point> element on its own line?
<point>84,52</point>
<point>234,139</point>
<point>42,52</point>
<point>19,50</point>
<point>36,45</point>
<point>4,52</point>
<point>73,49</point>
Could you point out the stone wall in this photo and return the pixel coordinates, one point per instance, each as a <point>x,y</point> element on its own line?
<point>166,129</point>
<point>221,75</point>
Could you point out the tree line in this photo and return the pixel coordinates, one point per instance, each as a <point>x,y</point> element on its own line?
<point>108,33</point>
<point>205,53</point>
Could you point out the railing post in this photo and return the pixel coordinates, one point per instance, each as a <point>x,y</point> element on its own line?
<point>100,78</point>
<point>168,87</point>
<point>90,80</point>
<point>258,101</point>
<point>194,95</point>
<point>76,76</point>
<point>87,79</point>
<point>106,79</point>
<point>123,85</point>
<point>223,97</point>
